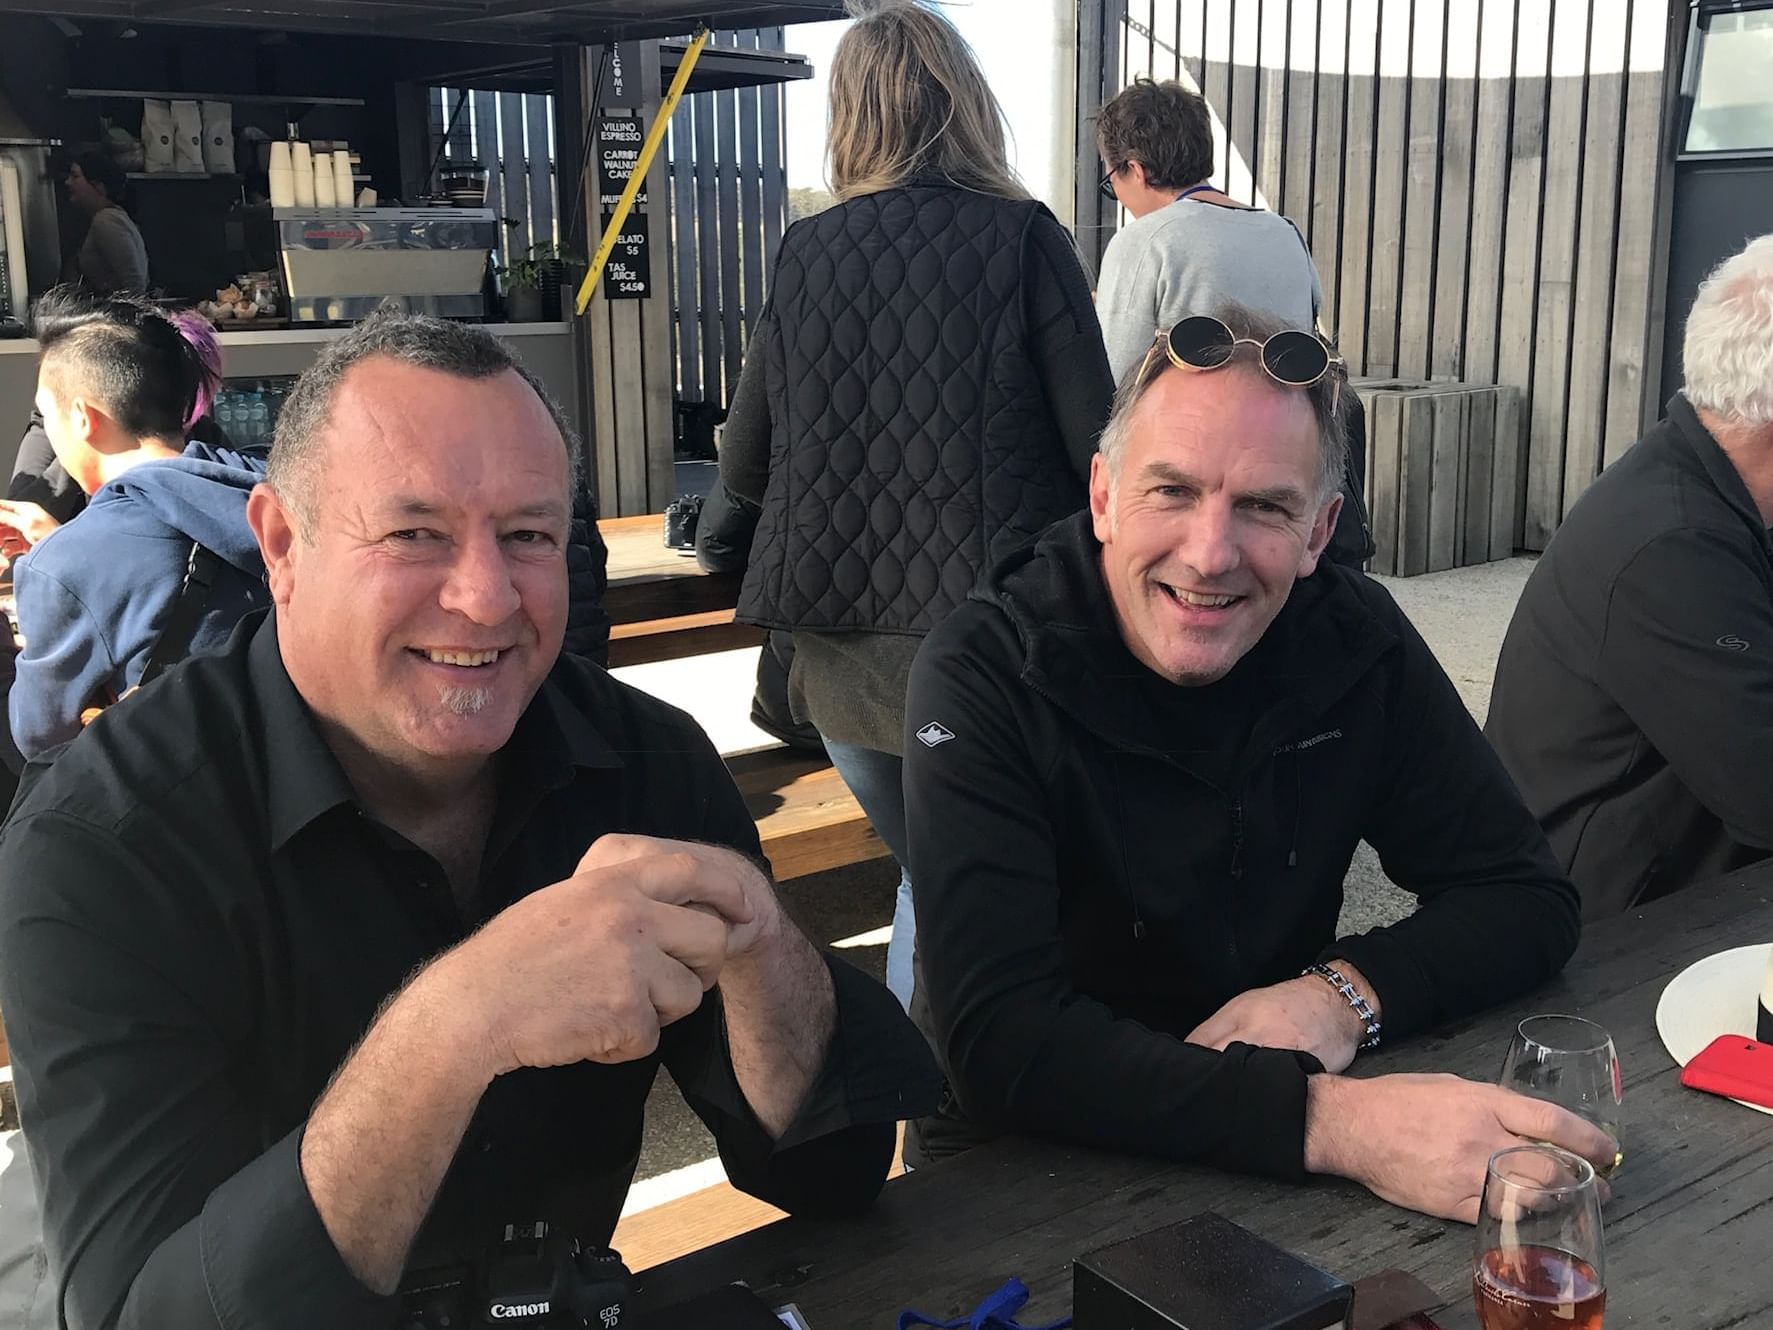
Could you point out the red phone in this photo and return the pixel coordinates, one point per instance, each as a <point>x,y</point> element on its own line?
<point>1735,1066</point>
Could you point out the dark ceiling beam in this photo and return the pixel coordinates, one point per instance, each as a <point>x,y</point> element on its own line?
<point>526,22</point>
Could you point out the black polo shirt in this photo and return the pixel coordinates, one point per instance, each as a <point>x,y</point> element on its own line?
<point>198,921</point>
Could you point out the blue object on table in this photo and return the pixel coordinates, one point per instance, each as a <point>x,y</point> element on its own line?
<point>998,1312</point>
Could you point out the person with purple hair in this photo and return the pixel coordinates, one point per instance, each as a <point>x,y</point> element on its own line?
<point>162,549</point>
<point>42,495</point>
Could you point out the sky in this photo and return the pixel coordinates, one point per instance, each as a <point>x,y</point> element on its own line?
<point>1018,44</point>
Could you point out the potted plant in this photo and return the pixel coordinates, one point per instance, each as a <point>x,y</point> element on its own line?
<point>533,283</point>
<point>522,279</point>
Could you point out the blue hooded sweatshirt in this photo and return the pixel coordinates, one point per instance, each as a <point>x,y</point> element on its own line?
<point>94,596</point>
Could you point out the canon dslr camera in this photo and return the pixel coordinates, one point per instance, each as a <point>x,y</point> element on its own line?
<point>531,1279</point>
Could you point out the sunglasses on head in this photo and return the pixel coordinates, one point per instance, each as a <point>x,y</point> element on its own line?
<point>1294,357</point>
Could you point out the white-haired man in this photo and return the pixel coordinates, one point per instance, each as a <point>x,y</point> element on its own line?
<point>1633,701</point>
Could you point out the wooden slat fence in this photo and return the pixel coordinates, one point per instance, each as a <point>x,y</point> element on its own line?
<point>1478,181</point>
<point>511,134</point>
<point>729,193</point>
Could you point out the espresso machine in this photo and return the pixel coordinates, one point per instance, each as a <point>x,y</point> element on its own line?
<point>339,264</point>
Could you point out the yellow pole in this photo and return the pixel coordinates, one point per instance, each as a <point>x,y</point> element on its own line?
<point>648,150</point>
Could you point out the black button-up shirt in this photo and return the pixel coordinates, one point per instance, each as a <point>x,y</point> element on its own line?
<point>198,920</point>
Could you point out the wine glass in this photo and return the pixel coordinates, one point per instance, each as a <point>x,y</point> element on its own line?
<point>1570,1062</point>
<point>1540,1262</point>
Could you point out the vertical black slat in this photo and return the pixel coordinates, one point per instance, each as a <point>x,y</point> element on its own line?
<point>486,152</point>
<point>775,173</point>
<point>1463,37</point>
<point>1355,190</point>
<point>1428,165</point>
<point>1390,176</point>
<point>1216,86</point>
<point>539,162</point>
<point>750,201</point>
<point>1206,18</point>
<point>1524,268</point>
<point>511,168</point>
<point>708,251</point>
<point>1228,111</point>
<point>1258,110</point>
<point>1088,205</point>
<point>1273,67</point>
<point>732,336</point>
<point>1286,108</point>
<point>683,248</point>
<point>1258,158</point>
<point>1301,112</point>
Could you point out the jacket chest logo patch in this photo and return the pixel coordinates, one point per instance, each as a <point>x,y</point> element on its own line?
<point>1731,642</point>
<point>1312,742</point>
<point>934,735</point>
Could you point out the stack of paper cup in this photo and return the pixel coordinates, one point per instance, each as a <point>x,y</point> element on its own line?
<point>302,161</point>
<point>324,197</point>
<point>282,176</point>
<point>343,187</point>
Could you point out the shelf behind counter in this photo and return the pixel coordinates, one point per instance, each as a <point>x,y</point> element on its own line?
<point>546,350</point>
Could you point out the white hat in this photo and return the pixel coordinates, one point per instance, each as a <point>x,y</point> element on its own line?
<point>1712,997</point>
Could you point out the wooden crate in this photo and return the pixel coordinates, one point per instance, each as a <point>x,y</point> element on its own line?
<point>1443,473</point>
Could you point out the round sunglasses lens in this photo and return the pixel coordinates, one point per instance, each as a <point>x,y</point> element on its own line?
<point>1202,342</point>
<point>1295,357</point>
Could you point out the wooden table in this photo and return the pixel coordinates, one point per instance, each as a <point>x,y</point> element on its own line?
<point>1689,1227</point>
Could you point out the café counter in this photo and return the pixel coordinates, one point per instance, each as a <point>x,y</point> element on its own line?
<point>546,350</point>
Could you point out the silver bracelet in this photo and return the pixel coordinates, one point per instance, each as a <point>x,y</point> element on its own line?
<point>1362,1008</point>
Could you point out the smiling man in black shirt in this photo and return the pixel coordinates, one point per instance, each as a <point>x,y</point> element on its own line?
<point>325,958</point>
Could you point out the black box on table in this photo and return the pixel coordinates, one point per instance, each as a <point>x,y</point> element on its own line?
<point>1205,1273</point>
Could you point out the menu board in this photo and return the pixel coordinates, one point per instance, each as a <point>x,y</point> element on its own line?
<point>628,275</point>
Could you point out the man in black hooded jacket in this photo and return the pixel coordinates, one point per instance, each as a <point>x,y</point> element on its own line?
<point>1137,767</point>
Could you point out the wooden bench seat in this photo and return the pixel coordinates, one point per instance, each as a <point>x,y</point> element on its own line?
<point>678,636</point>
<point>807,818</point>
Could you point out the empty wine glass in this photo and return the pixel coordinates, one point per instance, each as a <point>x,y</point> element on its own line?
<point>1540,1261</point>
<point>1570,1062</point>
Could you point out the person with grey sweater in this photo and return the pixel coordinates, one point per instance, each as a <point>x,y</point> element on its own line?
<point>113,256</point>
<point>1189,248</point>
<point>1192,250</point>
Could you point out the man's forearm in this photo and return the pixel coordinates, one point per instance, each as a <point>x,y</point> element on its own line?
<point>781,1013</point>
<point>381,1138</point>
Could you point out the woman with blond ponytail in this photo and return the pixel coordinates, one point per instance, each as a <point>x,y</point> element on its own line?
<point>921,396</point>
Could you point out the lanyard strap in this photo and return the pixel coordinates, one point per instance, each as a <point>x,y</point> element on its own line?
<point>997,1312</point>
<point>1193,189</point>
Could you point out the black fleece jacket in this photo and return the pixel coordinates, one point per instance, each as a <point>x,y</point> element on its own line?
<point>1633,700</point>
<point>1102,859</point>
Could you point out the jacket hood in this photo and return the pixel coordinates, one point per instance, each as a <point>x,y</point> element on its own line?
<point>1323,640</point>
<point>201,495</point>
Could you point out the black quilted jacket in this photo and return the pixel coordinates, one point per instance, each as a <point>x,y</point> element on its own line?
<point>935,381</point>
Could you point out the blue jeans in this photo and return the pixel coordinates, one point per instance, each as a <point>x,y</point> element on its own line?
<point>875,778</point>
